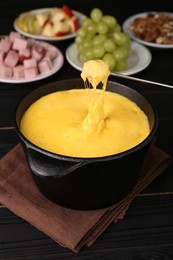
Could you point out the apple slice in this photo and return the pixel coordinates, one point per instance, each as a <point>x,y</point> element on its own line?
<point>48,30</point>
<point>21,21</point>
<point>42,18</point>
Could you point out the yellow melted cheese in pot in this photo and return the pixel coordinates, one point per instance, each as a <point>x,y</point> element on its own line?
<point>87,122</point>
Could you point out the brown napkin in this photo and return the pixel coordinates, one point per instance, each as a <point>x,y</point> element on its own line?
<point>70,228</point>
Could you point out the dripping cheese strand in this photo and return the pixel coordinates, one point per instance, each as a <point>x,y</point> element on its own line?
<point>95,72</point>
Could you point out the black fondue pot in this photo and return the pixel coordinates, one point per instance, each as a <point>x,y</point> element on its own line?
<point>85,183</point>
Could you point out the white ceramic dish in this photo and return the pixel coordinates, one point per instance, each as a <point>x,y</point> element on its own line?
<point>140,57</point>
<point>44,38</point>
<point>127,29</point>
<point>57,64</point>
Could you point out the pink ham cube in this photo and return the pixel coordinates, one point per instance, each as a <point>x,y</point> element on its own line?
<point>19,44</point>
<point>31,72</point>
<point>24,54</point>
<point>19,72</point>
<point>51,54</point>
<point>6,71</point>
<point>30,63</point>
<point>11,59</point>
<point>31,42</point>
<point>13,35</point>
<point>45,65</point>
<point>2,56</point>
<point>5,45</point>
<point>38,53</point>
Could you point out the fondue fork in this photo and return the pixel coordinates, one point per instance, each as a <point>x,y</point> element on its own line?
<point>139,80</point>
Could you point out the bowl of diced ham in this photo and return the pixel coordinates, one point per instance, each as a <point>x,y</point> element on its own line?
<point>25,59</point>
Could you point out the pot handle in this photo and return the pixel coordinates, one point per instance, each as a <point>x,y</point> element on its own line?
<point>45,166</point>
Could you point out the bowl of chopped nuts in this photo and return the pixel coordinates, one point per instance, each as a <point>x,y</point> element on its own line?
<point>153,29</point>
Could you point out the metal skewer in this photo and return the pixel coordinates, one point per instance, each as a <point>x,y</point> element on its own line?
<point>139,80</point>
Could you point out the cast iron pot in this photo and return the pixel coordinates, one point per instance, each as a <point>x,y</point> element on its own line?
<point>85,183</point>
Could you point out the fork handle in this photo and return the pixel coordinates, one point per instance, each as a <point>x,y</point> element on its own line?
<point>139,80</point>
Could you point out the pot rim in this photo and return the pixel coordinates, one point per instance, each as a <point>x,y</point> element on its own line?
<point>31,145</point>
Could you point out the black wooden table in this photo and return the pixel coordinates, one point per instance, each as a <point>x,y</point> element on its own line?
<point>146,232</point>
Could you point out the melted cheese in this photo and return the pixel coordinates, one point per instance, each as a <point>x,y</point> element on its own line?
<point>87,122</point>
<point>95,72</point>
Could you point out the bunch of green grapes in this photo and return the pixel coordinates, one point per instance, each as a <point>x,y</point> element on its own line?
<point>100,37</point>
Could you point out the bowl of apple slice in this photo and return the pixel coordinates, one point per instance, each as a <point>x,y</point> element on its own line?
<point>50,24</point>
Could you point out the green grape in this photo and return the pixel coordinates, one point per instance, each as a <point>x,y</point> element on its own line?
<point>99,39</point>
<point>91,29</point>
<point>109,45</point>
<point>89,54</point>
<point>82,32</point>
<point>117,28</point>
<point>110,21</point>
<point>87,43</point>
<point>86,22</point>
<point>96,15</point>
<point>102,27</point>
<point>83,58</point>
<point>109,59</point>
<point>118,55</point>
<point>80,48</point>
<point>127,45</point>
<point>125,50</point>
<point>123,65</point>
<point>120,38</point>
<point>78,39</point>
<point>127,37</point>
<point>98,51</point>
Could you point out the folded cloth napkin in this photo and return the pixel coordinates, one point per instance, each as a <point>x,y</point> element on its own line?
<point>72,229</point>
